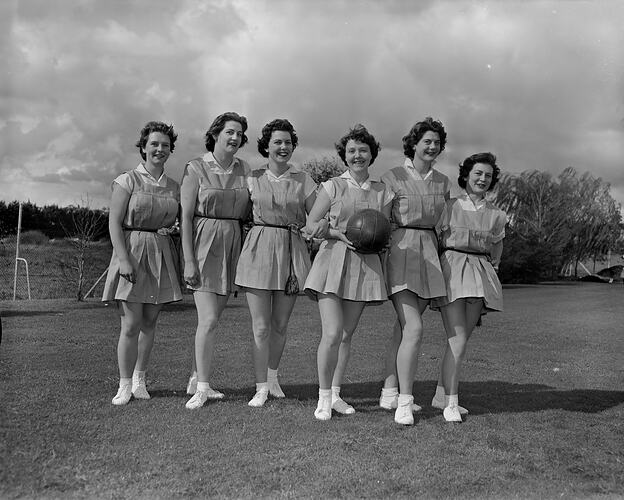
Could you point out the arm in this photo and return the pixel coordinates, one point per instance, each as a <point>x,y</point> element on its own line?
<point>188,199</point>
<point>119,205</point>
<point>318,229</point>
<point>495,254</point>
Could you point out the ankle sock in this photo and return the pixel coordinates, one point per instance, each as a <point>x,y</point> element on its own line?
<point>452,400</point>
<point>124,382</point>
<point>262,387</point>
<point>203,386</point>
<point>271,375</point>
<point>389,392</point>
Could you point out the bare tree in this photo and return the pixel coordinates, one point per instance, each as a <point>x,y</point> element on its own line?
<point>84,227</point>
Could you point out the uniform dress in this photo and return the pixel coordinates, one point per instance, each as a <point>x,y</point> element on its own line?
<point>152,209</point>
<point>467,233</point>
<point>265,260</point>
<point>222,203</point>
<point>337,269</point>
<point>412,262</point>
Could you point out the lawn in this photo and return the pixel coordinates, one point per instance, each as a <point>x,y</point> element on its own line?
<point>543,382</point>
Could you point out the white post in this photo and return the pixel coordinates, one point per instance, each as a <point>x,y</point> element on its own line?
<point>17,242</point>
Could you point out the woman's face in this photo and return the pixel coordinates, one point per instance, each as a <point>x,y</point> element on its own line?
<point>280,147</point>
<point>229,139</point>
<point>358,156</point>
<point>428,148</point>
<point>157,148</point>
<point>479,179</point>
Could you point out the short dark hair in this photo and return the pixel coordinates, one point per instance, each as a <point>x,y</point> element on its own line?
<point>418,130</point>
<point>360,134</point>
<point>219,124</point>
<point>466,166</point>
<point>161,127</point>
<point>277,125</point>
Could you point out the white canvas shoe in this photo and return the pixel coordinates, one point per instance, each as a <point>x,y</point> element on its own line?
<point>452,414</point>
<point>440,405</point>
<point>259,399</point>
<point>341,406</point>
<point>124,393</point>
<point>323,409</point>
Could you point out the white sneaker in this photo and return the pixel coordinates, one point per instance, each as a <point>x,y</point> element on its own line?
<point>452,414</point>
<point>403,414</point>
<point>440,405</point>
<point>139,391</point>
<point>259,399</point>
<point>191,387</point>
<point>323,409</point>
<point>197,401</point>
<point>123,395</point>
<point>275,390</point>
<point>341,406</point>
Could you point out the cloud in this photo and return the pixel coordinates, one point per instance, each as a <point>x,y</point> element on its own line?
<point>538,83</point>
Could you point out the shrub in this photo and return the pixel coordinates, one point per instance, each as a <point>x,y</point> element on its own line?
<point>35,237</point>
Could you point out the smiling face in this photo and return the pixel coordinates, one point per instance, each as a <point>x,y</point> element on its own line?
<point>229,139</point>
<point>280,147</point>
<point>357,156</point>
<point>428,148</point>
<point>157,149</point>
<point>479,179</point>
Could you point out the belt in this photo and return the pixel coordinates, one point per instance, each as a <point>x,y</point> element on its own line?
<point>216,218</point>
<point>469,252</point>
<point>143,230</point>
<point>420,228</point>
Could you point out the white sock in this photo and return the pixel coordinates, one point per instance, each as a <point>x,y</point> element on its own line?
<point>137,375</point>
<point>203,386</point>
<point>439,394</point>
<point>124,382</point>
<point>262,387</point>
<point>405,399</point>
<point>271,375</point>
<point>389,392</point>
<point>325,393</point>
<point>452,400</point>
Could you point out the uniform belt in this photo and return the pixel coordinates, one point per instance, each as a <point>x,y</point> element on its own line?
<point>469,252</point>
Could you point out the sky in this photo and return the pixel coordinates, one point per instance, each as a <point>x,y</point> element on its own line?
<point>538,83</point>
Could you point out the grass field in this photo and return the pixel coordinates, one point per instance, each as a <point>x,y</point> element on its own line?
<point>543,382</point>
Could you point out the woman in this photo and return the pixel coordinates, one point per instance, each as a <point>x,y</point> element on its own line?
<point>343,280</point>
<point>274,255</point>
<point>471,231</point>
<point>143,272</point>
<point>412,265</point>
<point>214,202</point>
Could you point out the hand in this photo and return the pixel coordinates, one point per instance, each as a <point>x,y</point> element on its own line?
<point>315,229</point>
<point>191,274</point>
<point>126,271</point>
<point>340,235</point>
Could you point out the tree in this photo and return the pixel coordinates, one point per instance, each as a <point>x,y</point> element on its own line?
<point>85,225</point>
<point>323,169</point>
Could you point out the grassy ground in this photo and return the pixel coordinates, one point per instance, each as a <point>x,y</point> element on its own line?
<point>543,382</point>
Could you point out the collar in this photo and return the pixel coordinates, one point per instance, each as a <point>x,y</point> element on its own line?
<point>142,170</point>
<point>276,178</point>
<point>468,204</point>
<point>409,165</point>
<point>216,167</point>
<point>366,185</point>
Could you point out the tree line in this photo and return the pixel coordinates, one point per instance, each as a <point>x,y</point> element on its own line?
<point>553,221</point>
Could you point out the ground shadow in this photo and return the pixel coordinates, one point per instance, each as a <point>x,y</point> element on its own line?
<point>487,397</point>
<point>10,314</point>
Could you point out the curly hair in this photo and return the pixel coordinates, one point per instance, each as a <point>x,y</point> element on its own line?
<point>150,127</point>
<point>277,125</point>
<point>219,124</point>
<point>416,133</point>
<point>466,166</point>
<point>360,134</point>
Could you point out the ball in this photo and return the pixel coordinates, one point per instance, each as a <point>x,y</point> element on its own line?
<point>369,231</point>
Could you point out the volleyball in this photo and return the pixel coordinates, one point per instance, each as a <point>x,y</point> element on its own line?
<point>369,231</point>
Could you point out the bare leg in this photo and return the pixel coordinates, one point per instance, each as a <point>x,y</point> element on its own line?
<point>147,334</point>
<point>209,306</point>
<point>409,308</point>
<point>282,309</point>
<point>351,312</point>
<point>127,347</point>
<point>390,366</point>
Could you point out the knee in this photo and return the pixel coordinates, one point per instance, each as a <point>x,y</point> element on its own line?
<point>331,338</point>
<point>206,326</point>
<point>261,331</point>
<point>130,331</point>
<point>412,334</point>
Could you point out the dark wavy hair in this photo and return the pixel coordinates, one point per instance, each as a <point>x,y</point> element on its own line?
<point>161,127</point>
<point>277,125</point>
<point>418,130</point>
<point>360,134</point>
<point>219,124</point>
<point>466,166</point>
